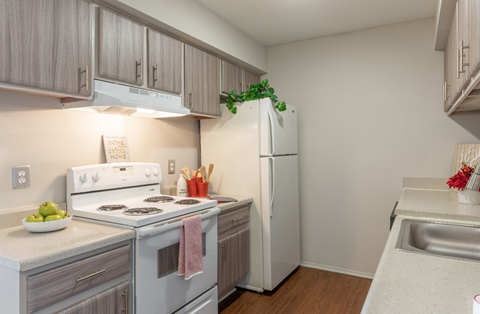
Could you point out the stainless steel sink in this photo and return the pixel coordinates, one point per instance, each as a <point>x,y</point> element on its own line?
<point>440,239</point>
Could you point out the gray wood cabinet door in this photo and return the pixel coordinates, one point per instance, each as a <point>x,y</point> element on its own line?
<point>47,44</point>
<point>202,82</point>
<point>463,42</point>
<point>474,32</point>
<point>120,48</point>
<point>250,78</point>
<point>452,53</point>
<point>231,78</point>
<point>164,62</point>
<point>233,259</point>
<point>112,301</point>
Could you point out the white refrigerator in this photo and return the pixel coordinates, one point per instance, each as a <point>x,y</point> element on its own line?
<point>255,154</point>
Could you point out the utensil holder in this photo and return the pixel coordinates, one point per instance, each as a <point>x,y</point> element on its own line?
<point>202,189</point>
<point>192,188</point>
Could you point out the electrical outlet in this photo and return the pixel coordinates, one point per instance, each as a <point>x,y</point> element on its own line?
<point>171,166</point>
<point>20,177</point>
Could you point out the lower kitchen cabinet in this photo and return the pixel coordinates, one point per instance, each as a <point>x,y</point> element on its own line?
<point>233,247</point>
<point>112,301</point>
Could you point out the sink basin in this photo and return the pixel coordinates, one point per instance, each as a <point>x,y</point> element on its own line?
<point>440,239</point>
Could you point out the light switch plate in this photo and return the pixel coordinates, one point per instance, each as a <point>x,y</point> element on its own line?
<point>171,166</point>
<point>20,177</point>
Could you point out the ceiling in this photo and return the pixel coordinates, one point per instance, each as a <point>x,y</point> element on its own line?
<point>275,22</point>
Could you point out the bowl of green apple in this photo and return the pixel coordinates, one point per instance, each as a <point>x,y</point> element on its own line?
<point>48,218</point>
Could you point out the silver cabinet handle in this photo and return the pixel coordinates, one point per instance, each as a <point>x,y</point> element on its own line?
<point>86,77</point>
<point>190,99</point>
<point>141,69</point>
<point>223,251</point>
<point>91,275</point>
<point>237,219</point>
<point>462,55</point>
<point>458,64</point>
<point>126,301</point>
<point>155,73</point>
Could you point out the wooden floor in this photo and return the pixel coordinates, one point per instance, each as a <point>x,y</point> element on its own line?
<point>307,290</point>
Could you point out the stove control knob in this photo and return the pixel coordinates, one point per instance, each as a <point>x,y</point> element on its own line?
<point>155,171</point>
<point>147,172</point>
<point>83,177</point>
<point>96,176</point>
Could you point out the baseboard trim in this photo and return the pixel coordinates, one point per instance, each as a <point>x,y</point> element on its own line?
<point>260,290</point>
<point>337,270</point>
<point>227,294</point>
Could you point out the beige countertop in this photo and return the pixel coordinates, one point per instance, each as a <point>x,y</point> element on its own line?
<point>435,204</point>
<point>414,283</point>
<point>407,282</point>
<point>241,200</point>
<point>22,250</point>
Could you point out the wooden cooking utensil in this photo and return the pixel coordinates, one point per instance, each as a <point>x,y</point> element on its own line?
<point>199,176</point>
<point>186,172</point>
<point>202,173</point>
<point>210,170</point>
<point>193,173</point>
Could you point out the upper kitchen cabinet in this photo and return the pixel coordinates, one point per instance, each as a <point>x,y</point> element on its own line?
<point>232,78</point>
<point>120,48</point>
<point>461,88</point>
<point>250,78</point>
<point>451,58</point>
<point>47,45</point>
<point>202,82</point>
<point>164,62</point>
<point>474,34</point>
<point>463,43</point>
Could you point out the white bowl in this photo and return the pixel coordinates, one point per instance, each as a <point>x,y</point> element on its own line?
<point>46,226</point>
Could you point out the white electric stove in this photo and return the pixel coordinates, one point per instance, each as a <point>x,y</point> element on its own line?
<point>128,194</point>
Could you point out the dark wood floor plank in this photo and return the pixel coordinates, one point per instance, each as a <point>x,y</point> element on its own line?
<point>307,291</point>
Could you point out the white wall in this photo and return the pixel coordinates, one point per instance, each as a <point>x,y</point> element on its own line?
<point>35,132</point>
<point>193,22</point>
<point>370,112</point>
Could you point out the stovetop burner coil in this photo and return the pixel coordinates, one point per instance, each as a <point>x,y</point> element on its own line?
<point>142,211</point>
<point>187,202</point>
<point>159,199</point>
<point>112,207</point>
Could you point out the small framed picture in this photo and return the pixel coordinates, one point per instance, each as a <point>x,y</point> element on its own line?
<point>116,148</point>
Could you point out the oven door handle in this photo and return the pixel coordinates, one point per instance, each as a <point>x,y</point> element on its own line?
<point>159,228</point>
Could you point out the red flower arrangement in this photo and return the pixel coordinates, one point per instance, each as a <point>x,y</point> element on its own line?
<point>459,180</point>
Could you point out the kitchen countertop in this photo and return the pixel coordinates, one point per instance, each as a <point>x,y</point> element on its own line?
<point>241,200</point>
<point>415,283</point>
<point>408,282</point>
<point>441,204</point>
<point>22,250</point>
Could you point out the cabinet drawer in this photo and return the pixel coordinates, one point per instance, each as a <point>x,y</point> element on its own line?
<point>233,220</point>
<point>62,282</point>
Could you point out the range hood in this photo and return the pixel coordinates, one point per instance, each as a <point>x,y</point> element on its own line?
<point>124,100</point>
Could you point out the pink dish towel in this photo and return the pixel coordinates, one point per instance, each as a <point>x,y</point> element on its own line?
<point>190,257</point>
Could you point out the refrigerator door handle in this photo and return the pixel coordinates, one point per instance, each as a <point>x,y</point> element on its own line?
<point>272,174</point>
<point>272,133</point>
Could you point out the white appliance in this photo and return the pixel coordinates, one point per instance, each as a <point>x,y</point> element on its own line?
<point>128,195</point>
<point>255,154</point>
<point>124,100</point>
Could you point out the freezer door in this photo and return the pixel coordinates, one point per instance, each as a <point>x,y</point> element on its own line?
<point>278,130</point>
<point>280,218</point>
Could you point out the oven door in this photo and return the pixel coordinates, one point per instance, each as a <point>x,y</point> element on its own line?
<point>158,288</point>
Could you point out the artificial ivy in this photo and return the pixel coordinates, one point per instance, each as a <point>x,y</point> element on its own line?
<point>256,91</point>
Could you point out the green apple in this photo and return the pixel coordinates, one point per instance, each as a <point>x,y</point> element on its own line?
<point>61,213</point>
<point>53,218</point>
<point>34,218</point>
<point>47,209</point>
